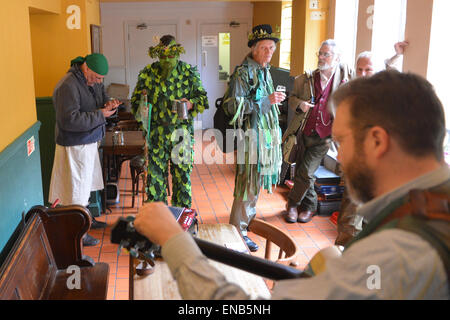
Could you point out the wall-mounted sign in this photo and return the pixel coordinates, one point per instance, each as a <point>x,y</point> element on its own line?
<point>314,4</point>
<point>317,15</point>
<point>30,146</point>
<point>74,20</point>
<point>209,41</point>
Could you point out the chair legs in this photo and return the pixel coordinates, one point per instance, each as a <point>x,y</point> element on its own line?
<point>136,172</point>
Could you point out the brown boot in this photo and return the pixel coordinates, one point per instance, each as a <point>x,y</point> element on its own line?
<point>291,214</point>
<point>306,216</point>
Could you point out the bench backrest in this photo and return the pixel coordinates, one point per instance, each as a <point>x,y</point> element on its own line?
<point>30,267</point>
<point>65,227</point>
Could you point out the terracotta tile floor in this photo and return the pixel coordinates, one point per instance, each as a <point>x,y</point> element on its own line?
<point>212,195</point>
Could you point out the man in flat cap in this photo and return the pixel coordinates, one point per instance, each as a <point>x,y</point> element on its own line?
<point>81,106</point>
<point>170,137</point>
<point>253,101</point>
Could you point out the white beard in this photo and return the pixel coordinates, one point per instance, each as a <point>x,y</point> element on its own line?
<point>326,66</point>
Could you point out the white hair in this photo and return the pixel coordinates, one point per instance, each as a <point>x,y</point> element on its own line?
<point>331,43</point>
<point>364,54</point>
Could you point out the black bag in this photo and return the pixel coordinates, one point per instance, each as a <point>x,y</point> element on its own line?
<point>222,120</point>
<point>222,124</point>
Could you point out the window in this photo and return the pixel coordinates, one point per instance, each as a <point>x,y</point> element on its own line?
<point>389,20</point>
<point>438,67</point>
<point>345,29</point>
<point>224,56</point>
<point>285,43</point>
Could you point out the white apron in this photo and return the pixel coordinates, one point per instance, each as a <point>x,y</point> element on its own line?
<point>76,172</point>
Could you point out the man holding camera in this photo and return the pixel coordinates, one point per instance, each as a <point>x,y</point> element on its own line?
<point>309,100</point>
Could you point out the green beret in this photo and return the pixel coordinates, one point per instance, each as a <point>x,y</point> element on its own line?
<point>97,63</point>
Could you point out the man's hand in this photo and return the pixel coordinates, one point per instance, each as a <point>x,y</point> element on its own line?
<point>400,47</point>
<point>305,106</point>
<point>277,97</point>
<point>108,112</point>
<point>190,105</point>
<point>110,108</point>
<point>157,223</point>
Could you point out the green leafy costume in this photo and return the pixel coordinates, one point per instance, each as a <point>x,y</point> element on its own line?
<point>248,100</point>
<point>170,139</point>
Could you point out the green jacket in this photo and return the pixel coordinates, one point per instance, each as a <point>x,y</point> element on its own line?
<point>183,82</point>
<point>248,101</point>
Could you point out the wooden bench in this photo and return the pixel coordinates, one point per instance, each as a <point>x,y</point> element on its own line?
<point>41,262</point>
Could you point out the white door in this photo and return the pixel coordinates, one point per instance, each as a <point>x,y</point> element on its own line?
<point>222,48</point>
<point>140,37</point>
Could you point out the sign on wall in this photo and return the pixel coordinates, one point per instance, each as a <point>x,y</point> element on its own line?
<point>209,41</point>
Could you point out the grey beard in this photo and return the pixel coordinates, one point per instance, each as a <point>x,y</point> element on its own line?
<point>326,66</point>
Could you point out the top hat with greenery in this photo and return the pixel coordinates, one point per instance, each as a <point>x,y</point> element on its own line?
<point>262,32</point>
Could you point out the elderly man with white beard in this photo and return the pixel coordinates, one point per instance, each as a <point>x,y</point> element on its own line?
<point>309,98</point>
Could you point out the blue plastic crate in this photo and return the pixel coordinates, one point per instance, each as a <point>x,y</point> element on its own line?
<point>329,189</point>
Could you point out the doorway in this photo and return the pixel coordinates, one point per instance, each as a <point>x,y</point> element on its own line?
<point>223,46</point>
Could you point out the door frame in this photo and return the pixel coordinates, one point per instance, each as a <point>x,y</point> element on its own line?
<point>201,22</point>
<point>199,57</point>
<point>127,24</point>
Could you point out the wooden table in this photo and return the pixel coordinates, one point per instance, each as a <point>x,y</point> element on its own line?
<point>133,145</point>
<point>161,286</point>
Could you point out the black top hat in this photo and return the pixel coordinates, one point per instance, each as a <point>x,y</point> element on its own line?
<point>262,32</point>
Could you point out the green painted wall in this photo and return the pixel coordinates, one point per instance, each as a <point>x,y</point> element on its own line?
<point>20,183</point>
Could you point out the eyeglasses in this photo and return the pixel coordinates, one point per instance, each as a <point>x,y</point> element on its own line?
<point>337,140</point>
<point>324,54</point>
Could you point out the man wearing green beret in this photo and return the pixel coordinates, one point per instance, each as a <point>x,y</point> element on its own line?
<point>170,136</point>
<point>81,106</point>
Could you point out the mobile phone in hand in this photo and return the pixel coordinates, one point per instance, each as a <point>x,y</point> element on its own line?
<point>281,88</point>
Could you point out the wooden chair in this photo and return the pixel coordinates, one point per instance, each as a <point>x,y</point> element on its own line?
<point>137,163</point>
<point>137,170</point>
<point>287,247</point>
<point>272,234</point>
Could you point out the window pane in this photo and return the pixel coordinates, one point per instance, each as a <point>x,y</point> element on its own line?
<point>438,67</point>
<point>345,29</point>
<point>285,43</point>
<point>388,28</point>
<point>224,56</point>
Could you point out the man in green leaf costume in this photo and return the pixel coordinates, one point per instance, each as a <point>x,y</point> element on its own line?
<point>170,139</point>
<point>253,103</point>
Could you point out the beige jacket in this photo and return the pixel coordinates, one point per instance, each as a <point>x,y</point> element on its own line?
<point>301,92</point>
